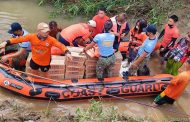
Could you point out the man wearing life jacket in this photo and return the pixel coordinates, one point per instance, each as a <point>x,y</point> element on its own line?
<point>120,28</point>
<point>144,51</point>
<point>137,37</point>
<point>18,58</point>
<point>77,34</point>
<point>178,55</point>
<point>100,19</point>
<point>105,44</point>
<point>170,34</point>
<point>175,87</point>
<point>54,29</point>
<point>41,44</point>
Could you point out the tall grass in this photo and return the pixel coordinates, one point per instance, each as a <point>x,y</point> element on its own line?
<point>153,10</point>
<point>97,113</point>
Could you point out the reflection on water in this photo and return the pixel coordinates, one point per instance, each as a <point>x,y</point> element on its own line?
<point>29,15</point>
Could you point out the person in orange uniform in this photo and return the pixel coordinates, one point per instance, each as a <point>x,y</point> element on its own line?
<point>77,34</point>
<point>41,44</point>
<point>100,19</point>
<point>120,28</point>
<point>137,37</point>
<point>175,88</point>
<point>170,34</point>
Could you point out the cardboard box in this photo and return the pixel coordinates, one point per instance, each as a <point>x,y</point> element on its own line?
<point>57,64</point>
<point>71,73</point>
<point>90,67</point>
<point>54,57</point>
<point>75,49</point>
<point>91,61</point>
<point>78,60</point>
<point>90,53</point>
<point>57,77</point>
<point>90,71</point>
<point>74,63</point>
<point>57,71</point>
<point>90,76</point>
<point>73,68</point>
<point>78,56</point>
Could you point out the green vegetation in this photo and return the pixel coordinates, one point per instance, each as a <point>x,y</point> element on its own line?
<point>154,10</point>
<point>97,113</point>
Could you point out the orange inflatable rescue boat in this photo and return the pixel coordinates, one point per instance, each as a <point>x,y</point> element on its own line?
<point>78,89</point>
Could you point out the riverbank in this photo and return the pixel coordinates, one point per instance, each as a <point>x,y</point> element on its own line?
<point>155,11</point>
<point>14,111</point>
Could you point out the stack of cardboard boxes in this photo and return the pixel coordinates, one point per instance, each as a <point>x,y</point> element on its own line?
<point>82,66</point>
<point>90,67</point>
<point>75,69</point>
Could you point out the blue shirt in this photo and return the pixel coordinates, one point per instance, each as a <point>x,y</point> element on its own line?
<point>148,46</point>
<point>24,44</point>
<point>105,43</point>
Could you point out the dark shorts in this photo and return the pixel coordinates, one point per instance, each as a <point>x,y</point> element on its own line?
<point>63,41</point>
<point>35,66</point>
<point>159,100</point>
<point>66,43</point>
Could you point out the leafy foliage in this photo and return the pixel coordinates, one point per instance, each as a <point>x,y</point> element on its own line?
<point>155,11</point>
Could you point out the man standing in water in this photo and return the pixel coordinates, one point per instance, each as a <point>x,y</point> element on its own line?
<point>175,87</point>
<point>41,44</point>
<point>105,44</point>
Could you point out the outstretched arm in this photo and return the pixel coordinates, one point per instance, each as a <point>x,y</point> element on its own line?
<point>91,45</point>
<point>15,40</point>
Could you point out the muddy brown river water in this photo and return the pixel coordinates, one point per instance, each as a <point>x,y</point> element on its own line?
<point>29,14</point>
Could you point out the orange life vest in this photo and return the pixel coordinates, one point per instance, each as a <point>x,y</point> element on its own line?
<point>139,37</point>
<point>114,28</point>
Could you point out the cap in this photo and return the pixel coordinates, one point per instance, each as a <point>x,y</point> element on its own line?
<point>151,29</point>
<point>14,27</point>
<point>92,23</point>
<point>43,27</point>
<point>108,25</point>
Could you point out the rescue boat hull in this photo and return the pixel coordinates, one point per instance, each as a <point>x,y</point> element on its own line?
<point>79,89</point>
